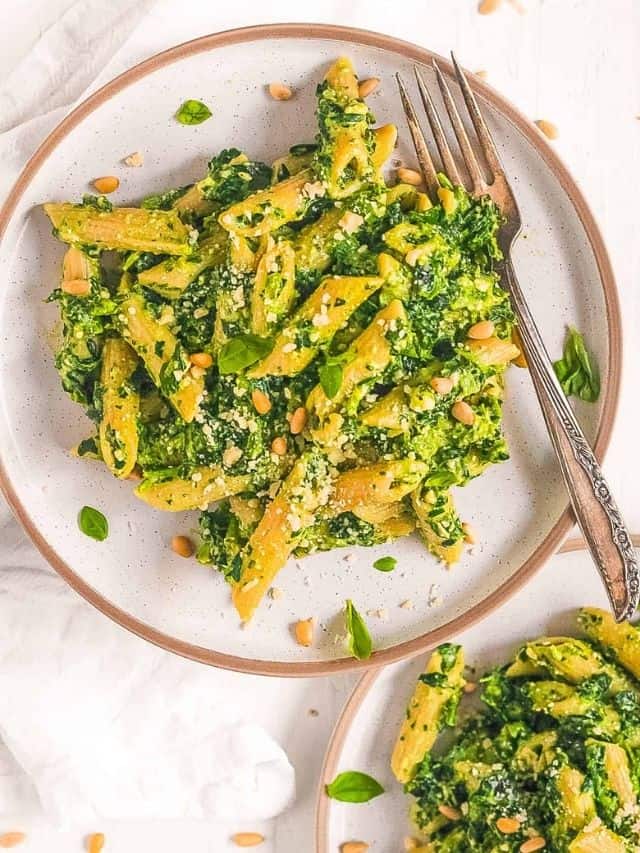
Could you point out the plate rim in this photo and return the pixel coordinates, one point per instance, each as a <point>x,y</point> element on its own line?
<point>611,384</point>
<point>353,704</point>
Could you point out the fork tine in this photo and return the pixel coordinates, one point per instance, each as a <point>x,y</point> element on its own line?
<point>450,167</point>
<point>419,142</point>
<point>468,154</point>
<point>484,135</point>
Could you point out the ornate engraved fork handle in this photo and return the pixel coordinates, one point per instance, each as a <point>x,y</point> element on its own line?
<point>595,509</point>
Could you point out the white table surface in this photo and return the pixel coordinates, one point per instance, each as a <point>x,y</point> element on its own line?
<point>574,62</point>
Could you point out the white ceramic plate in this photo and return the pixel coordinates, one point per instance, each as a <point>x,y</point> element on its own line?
<point>366,732</point>
<point>517,507</point>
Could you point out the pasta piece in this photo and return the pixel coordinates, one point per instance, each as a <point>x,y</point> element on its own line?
<point>304,491</point>
<point>385,141</point>
<point>314,244</point>
<point>343,160</point>
<point>165,359</point>
<point>438,524</point>
<point>298,158</point>
<point>622,640</point>
<point>609,772</point>
<point>206,485</point>
<point>432,706</point>
<point>598,839</point>
<point>272,207</point>
<point>577,807</point>
<point>274,288</point>
<point>315,323</point>
<point>120,408</point>
<point>172,276</point>
<point>378,483</point>
<point>560,700</point>
<point>566,658</point>
<point>194,202</point>
<point>492,351</point>
<point>126,228</point>
<point>366,358</point>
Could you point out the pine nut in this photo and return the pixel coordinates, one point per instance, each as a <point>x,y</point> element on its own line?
<point>261,402</point>
<point>298,420</point>
<point>469,533</point>
<point>183,546</point>
<point>548,128</point>
<point>95,842</point>
<point>247,839</point>
<point>463,412</point>
<point>508,825</point>
<point>532,844</point>
<point>481,331</point>
<point>368,86</point>
<point>304,632</point>
<point>201,359</point>
<point>486,7</point>
<point>280,92</point>
<point>76,287</point>
<point>354,847</point>
<point>279,445</point>
<point>409,176</point>
<point>449,812</point>
<point>107,184</point>
<point>441,384</point>
<point>470,687</point>
<point>12,839</point>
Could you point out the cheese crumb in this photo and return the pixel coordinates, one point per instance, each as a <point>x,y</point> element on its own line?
<point>350,222</point>
<point>231,456</point>
<point>135,159</point>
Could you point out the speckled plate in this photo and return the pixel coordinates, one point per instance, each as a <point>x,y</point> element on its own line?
<point>366,732</point>
<point>519,508</point>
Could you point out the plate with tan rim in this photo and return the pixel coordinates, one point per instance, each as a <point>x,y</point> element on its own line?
<point>366,732</point>
<point>519,508</point>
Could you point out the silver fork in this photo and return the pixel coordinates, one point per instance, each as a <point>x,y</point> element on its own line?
<point>593,504</point>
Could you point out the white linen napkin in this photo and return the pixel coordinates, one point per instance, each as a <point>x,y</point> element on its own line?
<point>94,721</point>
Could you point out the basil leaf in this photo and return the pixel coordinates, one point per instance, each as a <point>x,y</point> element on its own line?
<point>385,564</point>
<point>360,644</point>
<point>354,787</point>
<point>330,376</point>
<point>93,523</point>
<point>577,370</point>
<point>241,352</point>
<point>193,112</point>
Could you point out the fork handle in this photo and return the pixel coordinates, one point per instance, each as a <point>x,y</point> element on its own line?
<point>593,504</point>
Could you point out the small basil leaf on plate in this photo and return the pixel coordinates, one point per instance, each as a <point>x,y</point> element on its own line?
<point>577,370</point>
<point>330,376</point>
<point>242,351</point>
<point>360,644</point>
<point>354,787</point>
<point>193,112</point>
<point>385,564</point>
<point>93,523</point>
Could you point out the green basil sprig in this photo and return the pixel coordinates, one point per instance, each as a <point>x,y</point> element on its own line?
<point>354,787</point>
<point>193,112</point>
<point>93,523</point>
<point>330,376</point>
<point>360,644</point>
<point>577,370</point>
<point>385,564</point>
<point>242,351</point>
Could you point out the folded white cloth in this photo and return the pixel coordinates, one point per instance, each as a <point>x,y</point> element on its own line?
<point>94,721</point>
<point>104,724</point>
